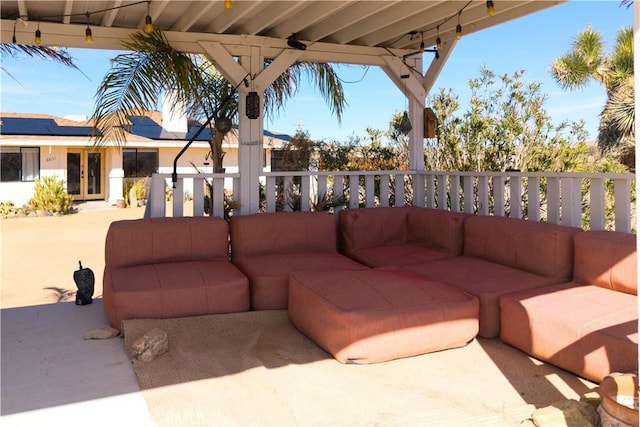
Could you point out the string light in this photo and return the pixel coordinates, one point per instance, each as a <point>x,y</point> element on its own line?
<point>38,38</point>
<point>88,35</point>
<point>13,39</point>
<point>491,10</point>
<point>148,23</point>
<point>438,39</point>
<point>459,28</point>
<point>228,4</point>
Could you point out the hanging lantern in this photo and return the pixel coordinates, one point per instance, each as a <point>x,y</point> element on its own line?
<point>405,124</point>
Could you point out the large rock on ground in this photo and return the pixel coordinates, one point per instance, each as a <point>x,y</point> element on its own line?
<point>150,345</point>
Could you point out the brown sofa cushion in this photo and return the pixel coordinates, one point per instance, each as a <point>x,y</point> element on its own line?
<point>540,248</point>
<point>266,247</point>
<point>377,315</point>
<point>607,259</point>
<point>282,232</point>
<point>156,240</point>
<point>380,237</point>
<point>175,289</point>
<point>484,279</point>
<point>588,330</point>
<point>170,267</point>
<point>268,274</point>
<point>371,227</point>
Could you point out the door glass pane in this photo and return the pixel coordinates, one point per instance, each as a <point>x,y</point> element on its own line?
<point>73,173</point>
<point>94,175</point>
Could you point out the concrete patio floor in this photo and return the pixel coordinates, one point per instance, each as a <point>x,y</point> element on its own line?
<point>50,375</point>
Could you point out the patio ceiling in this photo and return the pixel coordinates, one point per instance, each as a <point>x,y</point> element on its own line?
<point>337,31</point>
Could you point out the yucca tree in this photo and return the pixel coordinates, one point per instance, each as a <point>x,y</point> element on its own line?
<point>152,68</point>
<point>587,61</point>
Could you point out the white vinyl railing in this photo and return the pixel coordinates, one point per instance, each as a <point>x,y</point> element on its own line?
<point>591,200</point>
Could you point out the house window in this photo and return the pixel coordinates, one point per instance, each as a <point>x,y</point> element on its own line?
<point>277,157</point>
<point>139,162</point>
<point>19,164</point>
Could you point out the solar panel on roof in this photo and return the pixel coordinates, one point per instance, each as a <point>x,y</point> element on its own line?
<point>40,126</point>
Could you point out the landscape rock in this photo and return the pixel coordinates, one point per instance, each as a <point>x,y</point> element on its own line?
<point>569,413</point>
<point>102,333</point>
<point>150,345</point>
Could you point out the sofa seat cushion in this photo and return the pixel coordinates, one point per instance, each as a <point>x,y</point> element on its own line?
<point>370,316</point>
<point>268,274</point>
<point>585,329</point>
<point>397,255</point>
<point>176,289</point>
<point>486,280</point>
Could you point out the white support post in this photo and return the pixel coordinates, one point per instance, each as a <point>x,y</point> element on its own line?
<point>515,197</point>
<point>369,190</point>
<point>198,196</point>
<point>399,190</point>
<point>498,195</point>
<point>305,193</point>
<point>442,191</point>
<point>454,184</point>
<point>178,199</point>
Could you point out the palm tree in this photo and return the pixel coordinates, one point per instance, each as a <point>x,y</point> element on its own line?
<point>587,61</point>
<point>153,67</point>
<point>15,50</point>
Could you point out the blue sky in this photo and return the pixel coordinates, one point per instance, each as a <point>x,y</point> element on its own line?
<point>529,43</point>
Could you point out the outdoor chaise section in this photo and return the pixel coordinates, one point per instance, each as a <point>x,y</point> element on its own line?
<point>387,236</point>
<point>170,267</point>
<point>589,325</point>
<point>503,255</point>
<point>267,247</point>
<point>376,315</point>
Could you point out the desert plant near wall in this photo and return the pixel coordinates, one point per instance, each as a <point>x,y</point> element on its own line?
<point>50,195</point>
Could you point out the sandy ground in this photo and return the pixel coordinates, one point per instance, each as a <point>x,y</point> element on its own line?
<point>40,254</point>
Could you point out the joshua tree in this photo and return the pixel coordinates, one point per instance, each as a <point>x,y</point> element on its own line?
<point>587,61</point>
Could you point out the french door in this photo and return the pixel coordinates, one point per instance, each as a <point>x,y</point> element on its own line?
<point>85,176</point>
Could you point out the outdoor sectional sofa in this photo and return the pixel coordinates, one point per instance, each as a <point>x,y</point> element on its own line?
<point>384,283</point>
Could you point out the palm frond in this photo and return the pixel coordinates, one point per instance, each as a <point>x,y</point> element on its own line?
<point>59,55</point>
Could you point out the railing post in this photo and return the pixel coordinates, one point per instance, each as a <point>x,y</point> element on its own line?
<point>217,204</point>
<point>177,199</point>
<point>553,200</point>
<point>156,204</point>
<point>571,202</point>
<point>622,207</point>
<point>305,193</point>
<point>431,191</point>
<point>354,186</point>
<point>198,196</point>
<point>270,193</point>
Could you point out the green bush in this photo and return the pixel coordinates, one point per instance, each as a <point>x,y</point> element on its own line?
<point>50,195</point>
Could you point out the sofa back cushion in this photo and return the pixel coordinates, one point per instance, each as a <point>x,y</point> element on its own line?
<point>606,259</point>
<point>372,227</point>
<point>157,240</point>
<point>436,228</point>
<point>536,247</point>
<point>282,232</point>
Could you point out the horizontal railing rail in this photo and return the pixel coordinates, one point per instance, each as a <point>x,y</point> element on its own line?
<point>590,200</point>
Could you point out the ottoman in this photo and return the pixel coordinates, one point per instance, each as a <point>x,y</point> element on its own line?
<point>370,316</point>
